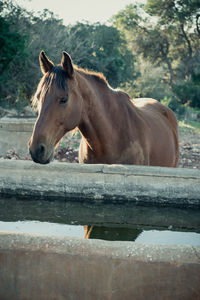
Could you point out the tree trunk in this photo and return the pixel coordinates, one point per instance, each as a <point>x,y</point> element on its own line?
<point>197,24</point>
<point>187,40</point>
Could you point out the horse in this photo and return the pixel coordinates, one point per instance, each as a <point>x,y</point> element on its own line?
<point>115,129</point>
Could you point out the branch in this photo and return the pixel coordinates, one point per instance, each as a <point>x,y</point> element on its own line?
<point>197,24</point>
<point>165,53</point>
<point>187,39</point>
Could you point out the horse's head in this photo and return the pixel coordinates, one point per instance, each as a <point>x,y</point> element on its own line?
<point>59,107</point>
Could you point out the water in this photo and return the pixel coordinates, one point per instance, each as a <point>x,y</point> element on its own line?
<point>108,222</point>
<point>43,228</point>
<point>164,237</point>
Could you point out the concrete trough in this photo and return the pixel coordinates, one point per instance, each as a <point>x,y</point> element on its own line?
<point>39,267</point>
<point>48,267</point>
<point>140,185</point>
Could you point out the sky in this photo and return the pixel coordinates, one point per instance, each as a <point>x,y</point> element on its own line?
<point>72,11</point>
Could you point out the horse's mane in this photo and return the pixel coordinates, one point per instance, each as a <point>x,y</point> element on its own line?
<point>57,75</point>
<point>99,77</point>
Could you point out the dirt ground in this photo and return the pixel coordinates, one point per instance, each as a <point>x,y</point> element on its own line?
<point>189,142</point>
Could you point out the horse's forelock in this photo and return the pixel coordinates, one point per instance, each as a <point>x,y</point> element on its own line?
<point>55,76</point>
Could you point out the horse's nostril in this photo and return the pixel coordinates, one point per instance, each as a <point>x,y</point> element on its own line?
<point>40,150</point>
<point>41,154</point>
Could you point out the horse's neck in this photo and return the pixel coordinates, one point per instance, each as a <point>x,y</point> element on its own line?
<point>102,122</point>
<point>96,125</point>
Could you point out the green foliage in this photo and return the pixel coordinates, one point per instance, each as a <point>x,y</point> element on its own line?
<point>12,52</point>
<point>167,34</point>
<point>101,48</point>
<point>189,126</point>
<point>23,35</point>
<point>11,43</point>
<point>170,11</point>
<point>151,50</point>
<point>150,82</point>
<point>188,92</point>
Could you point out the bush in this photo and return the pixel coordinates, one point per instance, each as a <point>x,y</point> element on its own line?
<point>149,83</point>
<point>173,103</point>
<point>188,92</point>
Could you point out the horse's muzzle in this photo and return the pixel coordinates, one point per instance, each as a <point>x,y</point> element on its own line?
<point>41,155</point>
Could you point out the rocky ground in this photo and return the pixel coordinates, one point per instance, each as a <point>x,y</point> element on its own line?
<point>189,142</point>
<point>189,155</point>
<point>189,149</point>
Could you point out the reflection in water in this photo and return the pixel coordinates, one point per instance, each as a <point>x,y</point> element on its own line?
<point>61,212</point>
<point>111,233</point>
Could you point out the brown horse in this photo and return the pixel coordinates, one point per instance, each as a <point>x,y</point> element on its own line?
<point>114,128</point>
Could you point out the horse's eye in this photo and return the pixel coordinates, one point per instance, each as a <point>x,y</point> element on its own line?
<point>63,100</point>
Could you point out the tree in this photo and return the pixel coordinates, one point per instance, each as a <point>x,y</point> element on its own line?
<point>101,48</point>
<point>24,34</point>
<point>12,51</point>
<point>165,33</point>
<point>183,16</point>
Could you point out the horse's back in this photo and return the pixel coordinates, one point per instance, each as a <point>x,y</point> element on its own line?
<point>163,129</point>
<point>155,109</point>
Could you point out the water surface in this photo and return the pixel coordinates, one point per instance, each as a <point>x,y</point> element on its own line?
<point>165,237</point>
<point>108,222</point>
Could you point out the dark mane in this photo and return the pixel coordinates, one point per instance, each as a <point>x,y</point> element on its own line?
<point>57,75</point>
<point>99,77</point>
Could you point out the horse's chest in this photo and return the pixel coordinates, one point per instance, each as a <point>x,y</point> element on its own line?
<point>133,154</point>
<point>86,155</point>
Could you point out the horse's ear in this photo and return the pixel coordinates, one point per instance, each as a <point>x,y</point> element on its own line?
<point>45,64</point>
<point>67,64</point>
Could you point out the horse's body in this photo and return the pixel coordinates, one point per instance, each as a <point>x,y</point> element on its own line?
<point>114,128</point>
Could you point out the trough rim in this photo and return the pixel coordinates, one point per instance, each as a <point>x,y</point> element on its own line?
<point>135,170</point>
<point>146,252</point>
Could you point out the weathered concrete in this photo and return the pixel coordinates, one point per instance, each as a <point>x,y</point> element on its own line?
<point>96,183</point>
<point>122,217</point>
<point>14,134</point>
<point>38,267</point>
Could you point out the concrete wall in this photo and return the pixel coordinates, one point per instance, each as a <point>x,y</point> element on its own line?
<point>39,267</point>
<point>15,134</point>
<point>47,268</point>
<point>101,183</point>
